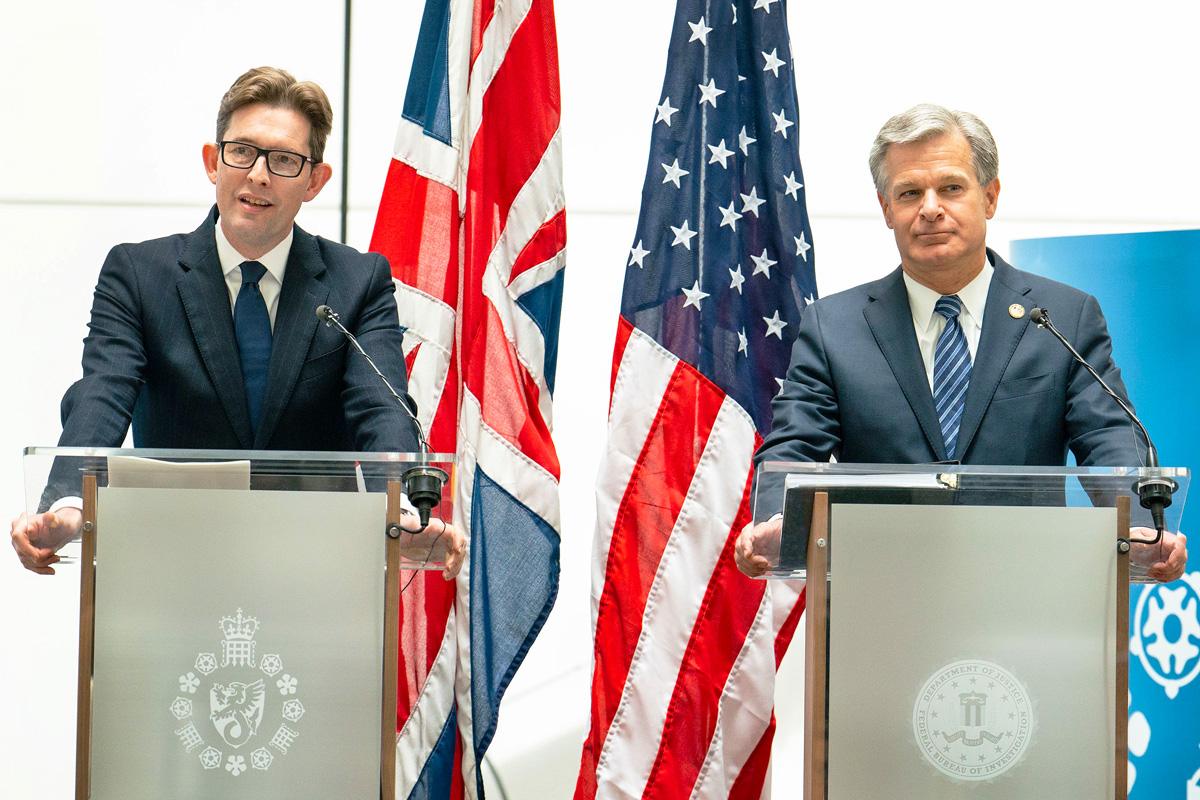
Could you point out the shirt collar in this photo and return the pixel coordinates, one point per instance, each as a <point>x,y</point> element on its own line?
<point>922,299</point>
<point>275,260</point>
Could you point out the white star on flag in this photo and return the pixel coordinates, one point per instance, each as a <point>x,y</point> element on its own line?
<point>695,295</point>
<point>683,236</point>
<point>637,255</point>
<point>736,279</point>
<point>745,141</point>
<point>763,264</point>
<point>792,185</point>
<point>700,32</point>
<point>808,301</point>
<point>729,216</point>
<point>719,153</point>
<point>782,123</point>
<point>742,343</point>
<point>775,326</point>
<point>774,62</point>
<point>751,202</point>
<point>674,173</point>
<point>710,93</point>
<point>734,12</point>
<point>802,246</point>
<point>665,110</point>
<point>765,4</point>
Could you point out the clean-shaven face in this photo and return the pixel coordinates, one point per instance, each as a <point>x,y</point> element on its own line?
<point>937,209</point>
<point>258,208</point>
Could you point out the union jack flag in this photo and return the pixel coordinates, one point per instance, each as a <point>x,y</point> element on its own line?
<point>721,266</point>
<point>472,220</point>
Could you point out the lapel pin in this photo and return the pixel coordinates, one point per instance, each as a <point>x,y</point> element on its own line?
<point>1016,311</point>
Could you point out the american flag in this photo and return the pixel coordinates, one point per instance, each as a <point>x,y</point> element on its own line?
<point>472,220</point>
<point>720,268</point>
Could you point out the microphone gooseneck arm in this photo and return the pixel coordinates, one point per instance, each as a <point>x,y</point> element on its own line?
<point>330,317</point>
<point>423,484</point>
<point>1154,493</point>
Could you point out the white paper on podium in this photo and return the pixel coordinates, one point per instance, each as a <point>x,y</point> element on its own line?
<point>132,472</point>
<point>901,480</point>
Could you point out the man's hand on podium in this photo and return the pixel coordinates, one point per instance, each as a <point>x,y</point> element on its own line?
<point>756,540</point>
<point>1166,560</point>
<point>38,538</point>
<point>437,533</point>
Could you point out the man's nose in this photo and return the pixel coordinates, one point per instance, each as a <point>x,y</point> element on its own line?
<point>259,172</point>
<point>931,206</point>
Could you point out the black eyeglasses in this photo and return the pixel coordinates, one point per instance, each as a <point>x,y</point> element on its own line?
<point>283,163</point>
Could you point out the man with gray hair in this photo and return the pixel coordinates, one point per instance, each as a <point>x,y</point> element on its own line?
<point>938,361</point>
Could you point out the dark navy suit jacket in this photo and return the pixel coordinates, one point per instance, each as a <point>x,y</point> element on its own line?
<point>856,387</point>
<point>161,352</point>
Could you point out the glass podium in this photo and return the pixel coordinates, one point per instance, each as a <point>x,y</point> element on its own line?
<point>970,636</point>
<point>239,616</point>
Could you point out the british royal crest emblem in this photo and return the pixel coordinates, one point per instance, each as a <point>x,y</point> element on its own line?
<point>253,709</point>
<point>973,720</point>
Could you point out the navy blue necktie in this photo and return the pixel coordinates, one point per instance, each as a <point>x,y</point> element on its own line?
<point>951,372</point>
<point>252,327</point>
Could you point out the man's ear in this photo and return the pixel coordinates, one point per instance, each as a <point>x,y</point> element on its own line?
<point>886,207</point>
<point>211,155</point>
<point>321,173</point>
<point>991,194</point>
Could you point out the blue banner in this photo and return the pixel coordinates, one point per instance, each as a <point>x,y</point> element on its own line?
<point>1148,285</point>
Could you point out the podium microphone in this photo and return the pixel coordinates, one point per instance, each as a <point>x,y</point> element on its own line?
<point>422,484</point>
<point>1154,492</point>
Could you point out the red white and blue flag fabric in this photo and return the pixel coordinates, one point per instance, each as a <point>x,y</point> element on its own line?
<point>720,268</point>
<point>472,220</point>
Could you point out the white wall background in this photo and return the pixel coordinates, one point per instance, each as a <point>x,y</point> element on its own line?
<point>105,107</point>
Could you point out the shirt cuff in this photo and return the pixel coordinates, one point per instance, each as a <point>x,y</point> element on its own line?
<point>66,502</point>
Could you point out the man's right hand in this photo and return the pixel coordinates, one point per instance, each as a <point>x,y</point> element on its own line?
<point>757,545</point>
<point>38,538</point>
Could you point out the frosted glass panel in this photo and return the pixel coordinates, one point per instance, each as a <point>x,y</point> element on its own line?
<point>239,642</point>
<point>971,652</point>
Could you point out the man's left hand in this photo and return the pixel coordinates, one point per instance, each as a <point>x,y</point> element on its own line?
<point>437,534</point>
<point>1166,560</point>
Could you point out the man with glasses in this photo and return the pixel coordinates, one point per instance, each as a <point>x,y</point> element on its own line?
<point>210,340</point>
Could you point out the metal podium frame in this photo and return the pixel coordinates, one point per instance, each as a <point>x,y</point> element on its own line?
<point>816,641</point>
<point>91,459</point>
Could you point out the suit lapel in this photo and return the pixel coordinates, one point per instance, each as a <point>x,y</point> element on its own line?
<point>205,299</point>
<point>295,326</point>
<point>890,320</point>
<point>997,343</point>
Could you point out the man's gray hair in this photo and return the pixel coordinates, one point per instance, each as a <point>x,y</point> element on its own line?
<point>925,121</point>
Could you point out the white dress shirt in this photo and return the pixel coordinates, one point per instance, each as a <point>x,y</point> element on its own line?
<point>272,282</point>
<point>929,325</point>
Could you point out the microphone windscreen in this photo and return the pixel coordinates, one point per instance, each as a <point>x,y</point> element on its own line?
<point>323,313</point>
<point>1038,316</point>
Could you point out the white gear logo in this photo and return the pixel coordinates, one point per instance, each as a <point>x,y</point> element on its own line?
<point>1166,635</point>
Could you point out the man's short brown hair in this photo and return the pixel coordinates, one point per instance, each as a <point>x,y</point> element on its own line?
<point>277,87</point>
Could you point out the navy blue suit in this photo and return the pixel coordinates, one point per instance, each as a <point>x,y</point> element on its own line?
<point>856,387</point>
<point>161,353</point>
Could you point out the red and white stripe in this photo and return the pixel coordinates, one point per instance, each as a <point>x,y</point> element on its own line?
<point>685,646</point>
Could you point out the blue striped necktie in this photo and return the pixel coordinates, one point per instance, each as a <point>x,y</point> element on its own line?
<point>951,372</point>
<point>252,328</point>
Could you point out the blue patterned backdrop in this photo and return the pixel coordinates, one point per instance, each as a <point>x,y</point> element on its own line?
<point>1148,285</point>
